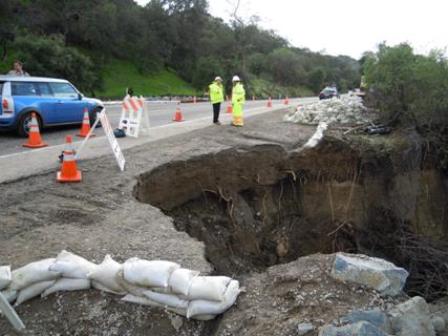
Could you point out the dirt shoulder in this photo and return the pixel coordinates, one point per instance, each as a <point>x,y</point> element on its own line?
<point>40,217</point>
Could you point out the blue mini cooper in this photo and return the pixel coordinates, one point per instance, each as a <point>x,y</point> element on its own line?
<point>55,102</point>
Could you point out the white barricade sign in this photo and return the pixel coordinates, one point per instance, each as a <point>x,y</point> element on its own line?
<point>112,140</point>
<point>134,113</point>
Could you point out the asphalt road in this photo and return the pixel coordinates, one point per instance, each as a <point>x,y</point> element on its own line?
<point>159,114</point>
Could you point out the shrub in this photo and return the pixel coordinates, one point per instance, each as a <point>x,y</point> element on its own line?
<point>407,87</point>
<point>50,57</point>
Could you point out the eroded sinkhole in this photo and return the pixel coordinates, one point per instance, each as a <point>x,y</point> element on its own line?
<point>257,207</point>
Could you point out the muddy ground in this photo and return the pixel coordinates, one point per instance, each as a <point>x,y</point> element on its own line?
<point>235,190</point>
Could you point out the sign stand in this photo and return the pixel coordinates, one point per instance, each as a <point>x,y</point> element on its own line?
<point>110,137</point>
<point>133,111</point>
<point>11,314</point>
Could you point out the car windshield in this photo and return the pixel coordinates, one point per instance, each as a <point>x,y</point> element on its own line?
<point>329,90</point>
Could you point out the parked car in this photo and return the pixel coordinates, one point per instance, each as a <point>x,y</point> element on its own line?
<point>329,92</point>
<point>55,102</point>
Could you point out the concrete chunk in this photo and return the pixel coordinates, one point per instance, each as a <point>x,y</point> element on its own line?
<point>374,273</point>
<point>362,328</point>
<point>412,318</point>
<point>376,317</point>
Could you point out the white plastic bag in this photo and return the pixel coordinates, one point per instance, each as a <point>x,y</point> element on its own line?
<point>5,276</point>
<point>105,274</point>
<point>208,288</point>
<point>141,300</point>
<point>155,273</point>
<point>71,265</point>
<point>34,290</point>
<point>37,271</point>
<point>67,284</point>
<point>205,307</point>
<point>180,280</point>
<point>166,300</point>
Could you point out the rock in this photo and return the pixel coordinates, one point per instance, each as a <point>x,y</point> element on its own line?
<point>379,274</point>
<point>412,318</point>
<point>376,317</point>
<point>304,328</point>
<point>438,323</point>
<point>362,328</point>
<point>344,110</point>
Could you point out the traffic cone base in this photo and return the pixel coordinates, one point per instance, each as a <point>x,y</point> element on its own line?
<point>76,178</point>
<point>34,138</point>
<point>83,136</point>
<point>28,145</point>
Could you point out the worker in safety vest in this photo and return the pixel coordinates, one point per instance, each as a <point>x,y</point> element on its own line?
<point>216,92</point>
<point>238,100</point>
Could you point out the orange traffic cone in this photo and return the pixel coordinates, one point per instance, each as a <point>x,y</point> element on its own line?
<point>85,127</point>
<point>286,101</point>
<point>69,172</point>
<point>269,102</point>
<point>34,138</point>
<point>178,116</point>
<point>229,108</point>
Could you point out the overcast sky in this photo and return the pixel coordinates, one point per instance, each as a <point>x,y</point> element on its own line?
<point>347,27</point>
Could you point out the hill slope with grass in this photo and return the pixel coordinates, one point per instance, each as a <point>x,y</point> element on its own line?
<point>119,75</point>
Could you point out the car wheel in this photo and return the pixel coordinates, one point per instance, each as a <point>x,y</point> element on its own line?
<point>23,126</point>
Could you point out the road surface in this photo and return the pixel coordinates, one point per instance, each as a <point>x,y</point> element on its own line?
<point>159,114</point>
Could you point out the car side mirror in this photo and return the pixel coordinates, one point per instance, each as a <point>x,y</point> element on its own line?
<point>80,96</point>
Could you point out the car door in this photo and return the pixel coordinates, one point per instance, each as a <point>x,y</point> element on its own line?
<point>47,103</point>
<point>68,105</point>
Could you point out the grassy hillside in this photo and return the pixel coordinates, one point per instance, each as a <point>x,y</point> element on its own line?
<point>119,75</point>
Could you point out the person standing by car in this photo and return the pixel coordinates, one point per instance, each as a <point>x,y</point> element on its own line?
<point>18,69</point>
<point>238,99</point>
<point>216,92</point>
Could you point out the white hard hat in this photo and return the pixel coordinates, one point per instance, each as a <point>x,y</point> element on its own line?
<point>217,78</point>
<point>235,79</point>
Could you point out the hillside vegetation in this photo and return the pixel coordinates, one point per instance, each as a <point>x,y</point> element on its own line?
<point>104,45</point>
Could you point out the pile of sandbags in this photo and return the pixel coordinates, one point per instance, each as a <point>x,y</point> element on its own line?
<point>156,283</point>
<point>345,110</point>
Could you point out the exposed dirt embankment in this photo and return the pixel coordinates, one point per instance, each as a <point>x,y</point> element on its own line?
<point>258,206</point>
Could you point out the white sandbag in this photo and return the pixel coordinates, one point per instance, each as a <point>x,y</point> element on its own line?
<point>10,294</point>
<point>154,273</point>
<point>180,280</point>
<point>67,284</point>
<point>71,265</point>
<point>34,290</point>
<point>205,307</point>
<point>37,271</point>
<point>105,274</point>
<point>141,300</point>
<point>128,287</point>
<point>5,276</point>
<point>166,300</point>
<point>208,288</point>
